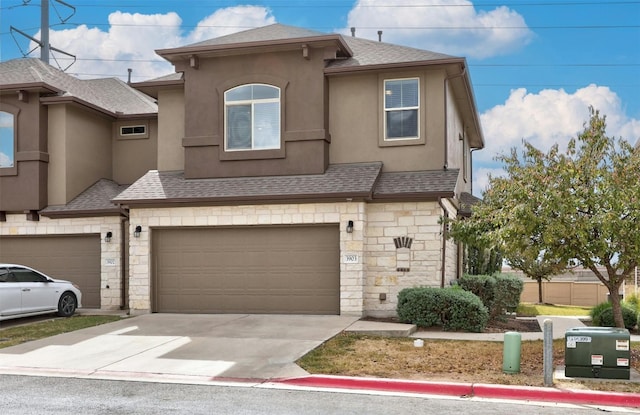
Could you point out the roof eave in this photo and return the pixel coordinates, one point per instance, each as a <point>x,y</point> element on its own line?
<point>235,200</point>
<point>151,88</point>
<point>412,196</point>
<point>64,214</point>
<point>30,86</point>
<point>392,65</point>
<point>247,47</point>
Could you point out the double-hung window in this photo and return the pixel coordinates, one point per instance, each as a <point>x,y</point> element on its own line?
<point>252,117</point>
<point>401,108</point>
<point>7,139</point>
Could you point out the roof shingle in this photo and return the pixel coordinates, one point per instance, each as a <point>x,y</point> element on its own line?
<point>339,181</point>
<point>110,94</point>
<point>93,201</point>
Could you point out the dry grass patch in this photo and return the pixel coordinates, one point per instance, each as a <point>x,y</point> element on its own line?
<point>443,360</point>
<point>22,334</point>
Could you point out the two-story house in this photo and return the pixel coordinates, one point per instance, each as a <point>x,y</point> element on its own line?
<point>67,146</point>
<point>294,172</point>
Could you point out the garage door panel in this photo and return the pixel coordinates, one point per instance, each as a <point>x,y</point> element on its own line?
<point>70,257</point>
<point>287,269</point>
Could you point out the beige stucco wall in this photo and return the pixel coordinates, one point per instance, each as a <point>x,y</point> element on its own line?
<point>372,241</point>
<point>355,121</point>
<point>111,258</point>
<point>57,155</point>
<point>134,156</point>
<point>79,151</point>
<point>170,129</point>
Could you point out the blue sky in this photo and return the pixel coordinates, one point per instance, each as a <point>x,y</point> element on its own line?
<point>536,65</point>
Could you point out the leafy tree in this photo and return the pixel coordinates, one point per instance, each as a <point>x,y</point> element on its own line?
<point>581,205</point>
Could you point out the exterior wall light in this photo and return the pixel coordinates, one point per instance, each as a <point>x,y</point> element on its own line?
<point>108,236</point>
<point>137,231</point>
<point>350,226</point>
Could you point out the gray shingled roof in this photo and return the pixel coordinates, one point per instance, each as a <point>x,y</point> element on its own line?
<point>368,52</point>
<point>418,184</point>
<point>365,52</point>
<point>339,181</point>
<point>358,180</point>
<point>110,94</point>
<point>261,34</point>
<point>94,201</point>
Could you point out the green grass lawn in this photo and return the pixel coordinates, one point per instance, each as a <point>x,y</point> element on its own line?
<point>532,310</point>
<point>20,334</point>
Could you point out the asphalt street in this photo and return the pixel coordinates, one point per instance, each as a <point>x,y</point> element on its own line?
<point>25,395</point>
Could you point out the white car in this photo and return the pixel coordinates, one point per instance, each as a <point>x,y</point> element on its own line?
<point>26,292</point>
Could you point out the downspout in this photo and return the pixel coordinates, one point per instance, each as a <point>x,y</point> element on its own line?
<point>445,213</point>
<point>124,254</point>
<point>446,115</point>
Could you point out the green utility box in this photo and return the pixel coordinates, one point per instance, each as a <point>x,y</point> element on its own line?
<point>597,352</point>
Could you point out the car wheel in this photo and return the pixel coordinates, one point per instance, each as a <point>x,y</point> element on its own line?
<point>67,305</point>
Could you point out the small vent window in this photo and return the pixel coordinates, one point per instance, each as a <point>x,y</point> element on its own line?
<point>133,130</point>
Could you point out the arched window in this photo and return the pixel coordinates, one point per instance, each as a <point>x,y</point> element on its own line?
<point>7,139</point>
<point>252,117</point>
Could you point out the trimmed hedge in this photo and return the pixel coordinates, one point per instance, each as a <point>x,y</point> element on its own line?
<point>499,293</point>
<point>450,308</point>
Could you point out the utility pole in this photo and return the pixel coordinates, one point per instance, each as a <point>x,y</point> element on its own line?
<point>44,31</point>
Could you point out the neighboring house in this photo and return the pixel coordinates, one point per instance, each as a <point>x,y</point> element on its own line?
<point>293,172</point>
<point>66,146</point>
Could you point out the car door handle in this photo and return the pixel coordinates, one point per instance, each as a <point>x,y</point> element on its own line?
<point>26,289</point>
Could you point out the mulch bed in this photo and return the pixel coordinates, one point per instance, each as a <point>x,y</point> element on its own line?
<point>523,325</point>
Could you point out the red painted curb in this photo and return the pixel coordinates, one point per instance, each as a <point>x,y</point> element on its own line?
<point>468,389</point>
<point>388,385</point>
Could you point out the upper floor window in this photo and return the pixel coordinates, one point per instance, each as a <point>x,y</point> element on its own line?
<point>7,139</point>
<point>252,117</point>
<point>401,107</point>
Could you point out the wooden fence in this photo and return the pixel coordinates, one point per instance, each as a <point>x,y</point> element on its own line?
<point>566,293</point>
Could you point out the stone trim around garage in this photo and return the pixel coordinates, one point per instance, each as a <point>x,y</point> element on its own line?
<point>371,265</point>
<point>111,256</point>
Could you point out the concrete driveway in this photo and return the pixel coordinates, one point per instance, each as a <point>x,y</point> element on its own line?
<point>179,347</point>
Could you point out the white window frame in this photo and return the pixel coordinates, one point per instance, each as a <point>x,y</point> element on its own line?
<point>252,103</point>
<point>123,134</point>
<point>10,117</point>
<point>412,108</point>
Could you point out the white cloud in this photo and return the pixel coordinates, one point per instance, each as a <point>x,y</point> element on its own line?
<point>478,34</point>
<point>230,20</point>
<point>551,116</point>
<point>481,178</point>
<point>545,118</point>
<point>132,38</point>
<point>5,160</point>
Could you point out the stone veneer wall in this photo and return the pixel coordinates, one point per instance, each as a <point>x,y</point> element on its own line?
<point>386,265</point>
<point>351,274</point>
<point>371,243</point>
<point>110,275</point>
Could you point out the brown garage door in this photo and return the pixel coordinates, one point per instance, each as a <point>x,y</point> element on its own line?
<point>75,258</point>
<point>259,270</point>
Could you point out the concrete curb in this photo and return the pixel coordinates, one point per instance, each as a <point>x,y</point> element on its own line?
<point>529,393</point>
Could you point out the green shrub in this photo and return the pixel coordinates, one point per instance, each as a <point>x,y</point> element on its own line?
<point>499,293</point>
<point>508,290</point>
<point>633,301</point>
<point>450,308</point>
<point>481,285</point>
<point>602,315</point>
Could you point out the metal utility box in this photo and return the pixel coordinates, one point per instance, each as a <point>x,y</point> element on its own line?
<point>597,352</point>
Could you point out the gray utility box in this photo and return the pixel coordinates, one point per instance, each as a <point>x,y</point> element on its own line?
<point>597,352</point>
